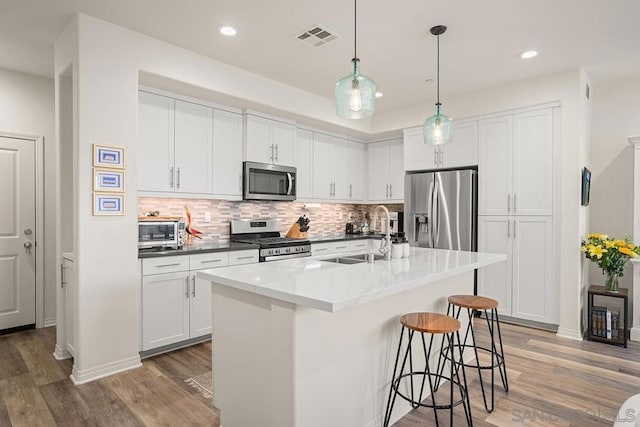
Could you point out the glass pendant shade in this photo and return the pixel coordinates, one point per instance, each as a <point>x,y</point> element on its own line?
<point>438,129</point>
<point>355,94</point>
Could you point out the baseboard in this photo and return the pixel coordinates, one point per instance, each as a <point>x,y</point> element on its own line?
<point>572,334</point>
<point>88,375</point>
<point>634,334</point>
<point>61,353</point>
<point>49,322</point>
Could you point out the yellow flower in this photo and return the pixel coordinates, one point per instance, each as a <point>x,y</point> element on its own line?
<point>631,246</point>
<point>597,236</point>
<point>597,251</point>
<point>620,243</point>
<point>628,252</point>
<point>609,244</point>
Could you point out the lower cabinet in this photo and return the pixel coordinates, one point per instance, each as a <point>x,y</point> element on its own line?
<point>70,292</point>
<point>343,246</point>
<point>524,284</point>
<point>176,305</point>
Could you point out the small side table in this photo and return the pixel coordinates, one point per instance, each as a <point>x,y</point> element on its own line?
<point>597,321</point>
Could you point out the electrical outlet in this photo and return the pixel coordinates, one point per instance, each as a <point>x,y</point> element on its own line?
<point>207,217</point>
<point>350,216</point>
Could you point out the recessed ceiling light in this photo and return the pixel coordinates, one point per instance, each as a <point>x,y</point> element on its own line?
<point>379,94</point>
<point>528,54</point>
<point>227,30</point>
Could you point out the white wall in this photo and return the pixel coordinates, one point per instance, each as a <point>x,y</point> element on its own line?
<point>26,107</point>
<point>570,148</point>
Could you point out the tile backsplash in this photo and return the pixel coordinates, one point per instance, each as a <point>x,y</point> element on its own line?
<point>326,218</point>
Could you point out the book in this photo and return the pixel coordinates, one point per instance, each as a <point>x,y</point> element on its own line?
<point>615,325</point>
<point>598,321</point>
<point>608,324</point>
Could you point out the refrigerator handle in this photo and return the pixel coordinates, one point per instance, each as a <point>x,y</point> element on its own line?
<point>435,223</point>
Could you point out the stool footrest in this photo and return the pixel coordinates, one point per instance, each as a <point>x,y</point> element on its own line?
<point>498,356</point>
<point>396,383</point>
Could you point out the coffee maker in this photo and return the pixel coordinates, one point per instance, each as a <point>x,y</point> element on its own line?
<point>396,222</point>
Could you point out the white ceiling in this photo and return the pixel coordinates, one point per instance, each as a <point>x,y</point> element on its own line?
<point>479,49</point>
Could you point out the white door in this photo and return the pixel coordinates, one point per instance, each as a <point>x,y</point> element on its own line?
<point>417,154</point>
<point>165,309</point>
<point>533,163</point>
<point>17,233</point>
<point>199,307</point>
<point>396,170</point>
<point>322,178</point>
<point>338,167</point>
<point>303,160</point>
<point>463,151</point>
<point>378,157</point>
<point>494,281</point>
<point>194,148</point>
<point>495,166</point>
<point>355,166</point>
<point>227,153</point>
<point>260,147</point>
<point>284,137</point>
<point>156,170</point>
<point>533,290</point>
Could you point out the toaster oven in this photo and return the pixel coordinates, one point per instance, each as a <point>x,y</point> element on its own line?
<point>155,232</point>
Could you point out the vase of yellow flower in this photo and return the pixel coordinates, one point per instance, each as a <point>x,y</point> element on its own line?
<point>610,255</point>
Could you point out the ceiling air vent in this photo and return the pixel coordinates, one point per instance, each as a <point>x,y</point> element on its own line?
<point>317,36</point>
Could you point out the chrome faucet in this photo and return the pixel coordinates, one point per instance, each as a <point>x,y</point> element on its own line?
<point>385,245</point>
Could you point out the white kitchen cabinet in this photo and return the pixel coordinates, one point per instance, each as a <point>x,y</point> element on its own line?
<point>303,161</point>
<point>386,171</point>
<point>227,153</point>
<point>156,170</point>
<point>330,168</point>
<point>355,170</point>
<point>269,141</point>
<point>515,168</point>
<point>193,148</point>
<point>250,256</point>
<point>70,294</point>
<point>328,248</point>
<point>199,307</point>
<point>523,284</point>
<point>461,152</point>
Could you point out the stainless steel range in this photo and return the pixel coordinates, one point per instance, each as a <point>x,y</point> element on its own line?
<point>266,234</point>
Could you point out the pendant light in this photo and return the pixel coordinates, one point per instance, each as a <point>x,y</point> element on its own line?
<point>355,94</point>
<point>438,129</point>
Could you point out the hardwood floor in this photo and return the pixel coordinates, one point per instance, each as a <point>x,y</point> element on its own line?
<point>553,381</point>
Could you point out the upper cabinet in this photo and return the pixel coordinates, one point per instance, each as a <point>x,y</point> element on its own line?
<point>355,170</point>
<point>463,151</point>
<point>303,161</point>
<point>156,122</point>
<point>329,167</point>
<point>227,153</point>
<point>193,148</point>
<point>269,141</point>
<point>386,171</point>
<point>515,170</point>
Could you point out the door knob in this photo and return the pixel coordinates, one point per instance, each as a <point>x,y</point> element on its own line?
<point>27,247</point>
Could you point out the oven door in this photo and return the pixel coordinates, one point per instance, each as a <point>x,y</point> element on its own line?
<point>153,234</point>
<point>263,181</point>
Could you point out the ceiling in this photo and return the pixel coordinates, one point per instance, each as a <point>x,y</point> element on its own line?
<point>479,49</point>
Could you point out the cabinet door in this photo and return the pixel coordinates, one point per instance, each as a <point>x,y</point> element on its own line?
<point>463,151</point>
<point>534,294</point>
<point>199,307</point>
<point>259,143</point>
<point>71,292</point>
<point>339,169</point>
<point>227,153</point>
<point>322,178</point>
<point>396,171</point>
<point>355,166</point>
<point>495,166</point>
<point>165,309</point>
<point>533,163</point>
<point>155,142</point>
<point>194,148</point>
<point>378,159</point>
<point>303,161</point>
<point>494,281</point>
<point>418,155</point>
<point>284,137</point>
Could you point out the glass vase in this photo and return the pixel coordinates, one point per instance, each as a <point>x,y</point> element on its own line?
<point>611,281</point>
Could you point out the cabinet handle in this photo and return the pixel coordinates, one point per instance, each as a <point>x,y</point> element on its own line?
<point>342,247</point>
<point>386,186</point>
<point>508,228</point>
<point>441,157</point>
<point>322,249</point>
<point>271,153</point>
<point>514,228</point>
<point>246,257</point>
<point>350,190</point>
<point>178,178</point>
<point>186,287</point>
<point>168,265</point>
<point>62,281</point>
<point>210,260</point>
<point>277,153</point>
<point>391,191</point>
<point>193,283</point>
<point>171,177</point>
<point>514,211</point>
<point>240,181</point>
<point>435,156</point>
<point>509,203</point>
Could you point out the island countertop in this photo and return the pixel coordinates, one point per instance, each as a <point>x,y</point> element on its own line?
<point>331,287</point>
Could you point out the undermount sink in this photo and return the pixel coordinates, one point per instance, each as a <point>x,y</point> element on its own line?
<point>353,259</point>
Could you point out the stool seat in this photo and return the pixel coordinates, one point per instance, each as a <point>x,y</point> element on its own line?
<point>431,323</point>
<point>473,302</point>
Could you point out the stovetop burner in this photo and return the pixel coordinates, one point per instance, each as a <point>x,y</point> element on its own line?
<point>273,241</point>
<point>266,234</point>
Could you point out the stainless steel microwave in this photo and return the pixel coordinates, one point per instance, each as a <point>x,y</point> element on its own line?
<point>161,232</point>
<point>264,181</point>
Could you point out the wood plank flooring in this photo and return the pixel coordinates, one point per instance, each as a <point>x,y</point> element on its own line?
<point>553,382</point>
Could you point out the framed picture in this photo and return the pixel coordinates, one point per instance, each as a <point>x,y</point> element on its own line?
<point>108,180</point>
<point>586,186</point>
<point>108,204</point>
<point>108,157</point>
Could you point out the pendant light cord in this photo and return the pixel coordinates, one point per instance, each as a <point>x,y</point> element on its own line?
<point>438,68</point>
<point>355,28</point>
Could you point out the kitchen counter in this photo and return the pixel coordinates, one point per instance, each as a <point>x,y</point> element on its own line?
<point>196,248</point>
<point>295,337</point>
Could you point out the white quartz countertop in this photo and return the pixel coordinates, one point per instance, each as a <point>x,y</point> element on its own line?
<point>331,287</point>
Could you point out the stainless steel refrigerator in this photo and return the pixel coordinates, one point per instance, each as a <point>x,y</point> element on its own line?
<point>440,209</point>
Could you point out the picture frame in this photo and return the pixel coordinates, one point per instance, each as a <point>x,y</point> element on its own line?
<point>108,204</point>
<point>586,186</point>
<point>106,156</point>
<point>108,180</point>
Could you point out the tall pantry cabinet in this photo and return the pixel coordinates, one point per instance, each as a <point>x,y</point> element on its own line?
<point>515,208</point>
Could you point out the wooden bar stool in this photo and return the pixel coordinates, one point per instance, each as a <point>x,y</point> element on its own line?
<point>433,324</point>
<point>474,303</point>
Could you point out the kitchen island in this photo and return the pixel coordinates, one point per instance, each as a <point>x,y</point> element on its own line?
<point>310,342</point>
